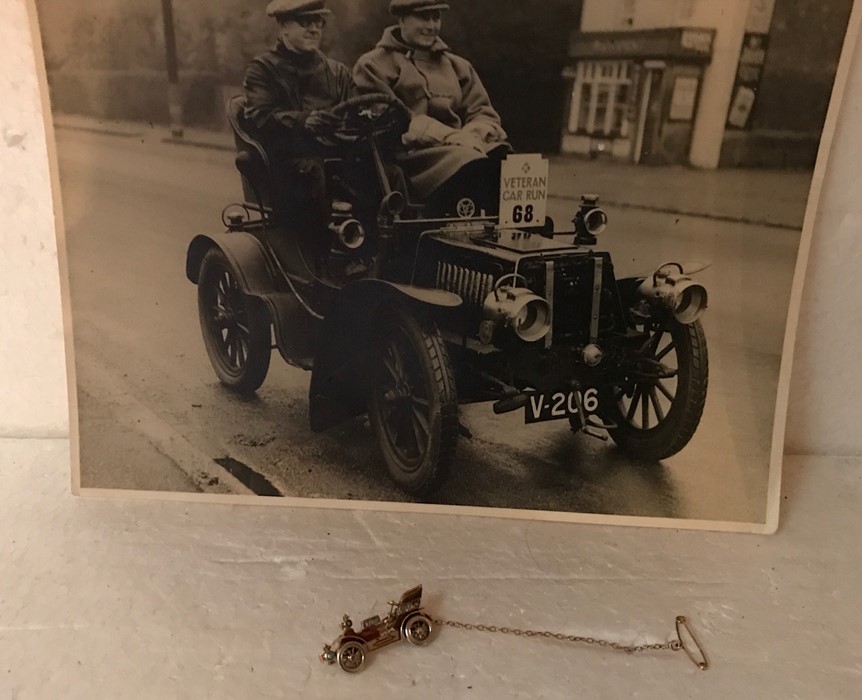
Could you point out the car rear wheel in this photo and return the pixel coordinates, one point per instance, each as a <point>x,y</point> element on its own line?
<point>351,656</point>
<point>413,405</point>
<point>417,630</point>
<point>235,327</point>
<point>659,409</point>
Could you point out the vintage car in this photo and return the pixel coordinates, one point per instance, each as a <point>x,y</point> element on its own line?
<point>404,621</point>
<point>404,313</point>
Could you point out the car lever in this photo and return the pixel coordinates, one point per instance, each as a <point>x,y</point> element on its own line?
<point>586,423</point>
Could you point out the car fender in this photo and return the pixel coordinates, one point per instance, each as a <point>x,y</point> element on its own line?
<point>339,379</point>
<point>245,253</point>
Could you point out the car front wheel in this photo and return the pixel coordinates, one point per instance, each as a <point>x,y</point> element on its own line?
<point>413,404</point>
<point>351,656</point>
<point>658,410</point>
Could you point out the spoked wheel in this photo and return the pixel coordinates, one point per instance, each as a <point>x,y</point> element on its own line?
<point>417,630</point>
<point>235,327</point>
<point>351,656</point>
<point>658,410</point>
<point>413,405</point>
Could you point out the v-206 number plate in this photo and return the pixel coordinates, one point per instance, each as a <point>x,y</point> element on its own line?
<point>562,404</point>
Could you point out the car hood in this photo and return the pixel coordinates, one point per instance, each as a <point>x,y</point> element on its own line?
<point>525,242</point>
<point>513,245</point>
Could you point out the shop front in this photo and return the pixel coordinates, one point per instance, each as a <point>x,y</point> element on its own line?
<point>634,94</point>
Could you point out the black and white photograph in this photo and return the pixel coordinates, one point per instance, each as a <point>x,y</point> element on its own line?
<point>526,259</point>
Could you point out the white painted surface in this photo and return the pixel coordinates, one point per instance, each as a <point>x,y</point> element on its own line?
<point>826,384</point>
<point>623,15</point>
<point>718,78</point>
<point>154,599</point>
<point>760,16</point>
<point>112,599</point>
<point>32,366</point>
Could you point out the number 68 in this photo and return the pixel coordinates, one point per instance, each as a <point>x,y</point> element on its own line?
<point>522,214</point>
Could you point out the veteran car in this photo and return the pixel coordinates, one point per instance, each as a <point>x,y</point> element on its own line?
<point>448,309</point>
<point>405,620</point>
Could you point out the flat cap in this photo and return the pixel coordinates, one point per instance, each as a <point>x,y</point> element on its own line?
<point>297,8</point>
<point>403,7</point>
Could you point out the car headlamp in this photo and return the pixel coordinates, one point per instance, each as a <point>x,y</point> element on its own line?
<point>351,234</point>
<point>595,221</point>
<point>679,293</point>
<point>527,314</point>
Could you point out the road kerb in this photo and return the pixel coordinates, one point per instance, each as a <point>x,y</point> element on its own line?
<point>211,145</point>
<point>197,465</point>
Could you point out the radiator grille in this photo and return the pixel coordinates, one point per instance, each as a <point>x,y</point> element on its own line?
<point>473,287</point>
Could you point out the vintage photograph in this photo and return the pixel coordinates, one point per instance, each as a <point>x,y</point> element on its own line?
<point>526,258</point>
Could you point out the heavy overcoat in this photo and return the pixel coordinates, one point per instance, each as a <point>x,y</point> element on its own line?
<point>447,101</point>
<point>281,89</point>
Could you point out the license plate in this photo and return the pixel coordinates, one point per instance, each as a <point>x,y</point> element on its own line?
<point>562,404</point>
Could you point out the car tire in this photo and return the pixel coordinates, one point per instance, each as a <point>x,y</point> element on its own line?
<point>236,327</point>
<point>416,629</point>
<point>351,656</point>
<point>413,403</point>
<point>680,407</point>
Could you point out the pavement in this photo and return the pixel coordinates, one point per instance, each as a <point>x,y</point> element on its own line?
<point>765,197</point>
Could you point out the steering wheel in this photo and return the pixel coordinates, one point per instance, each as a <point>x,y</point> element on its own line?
<point>376,113</point>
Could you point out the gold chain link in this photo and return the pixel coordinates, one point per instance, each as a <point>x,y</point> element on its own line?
<point>674,645</point>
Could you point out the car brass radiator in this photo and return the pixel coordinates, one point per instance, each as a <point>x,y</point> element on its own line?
<point>473,287</point>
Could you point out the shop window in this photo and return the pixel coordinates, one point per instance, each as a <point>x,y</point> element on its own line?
<point>583,109</point>
<point>600,96</point>
<point>683,98</point>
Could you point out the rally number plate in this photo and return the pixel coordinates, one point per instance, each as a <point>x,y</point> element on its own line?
<point>562,404</point>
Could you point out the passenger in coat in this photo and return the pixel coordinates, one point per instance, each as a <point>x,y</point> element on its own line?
<point>455,140</point>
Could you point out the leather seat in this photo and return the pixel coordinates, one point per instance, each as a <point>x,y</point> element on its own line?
<point>252,161</point>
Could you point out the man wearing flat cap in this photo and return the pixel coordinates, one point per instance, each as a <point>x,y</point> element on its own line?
<point>455,135</point>
<point>289,91</point>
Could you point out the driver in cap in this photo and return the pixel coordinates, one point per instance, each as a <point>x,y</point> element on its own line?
<point>290,88</point>
<point>289,91</point>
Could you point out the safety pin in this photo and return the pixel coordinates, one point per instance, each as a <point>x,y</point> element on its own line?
<point>682,624</point>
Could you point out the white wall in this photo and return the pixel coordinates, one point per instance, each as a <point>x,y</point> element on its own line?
<point>730,17</point>
<point>32,365</point>
<point>613,15</point>
<point>602,15</point>
<point>760,15</point>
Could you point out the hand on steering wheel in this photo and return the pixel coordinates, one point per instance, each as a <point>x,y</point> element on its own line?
<point>323,125</point>
<point>321,121</point>
<point>376,113</point>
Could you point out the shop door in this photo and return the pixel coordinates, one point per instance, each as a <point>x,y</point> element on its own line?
<point>649,150</point>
